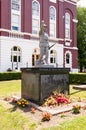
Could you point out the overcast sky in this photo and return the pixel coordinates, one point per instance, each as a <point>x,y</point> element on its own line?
<point>82,3</point>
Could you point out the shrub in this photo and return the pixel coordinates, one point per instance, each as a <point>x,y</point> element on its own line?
<point>77,78</point>
<point>10,76</point>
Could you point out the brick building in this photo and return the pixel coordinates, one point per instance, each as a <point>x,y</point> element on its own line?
<point>19,26</point>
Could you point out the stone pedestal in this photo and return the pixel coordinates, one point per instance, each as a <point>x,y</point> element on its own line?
<point>39,83</point>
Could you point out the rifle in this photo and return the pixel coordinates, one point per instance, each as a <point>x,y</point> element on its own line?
<point>51,46</point>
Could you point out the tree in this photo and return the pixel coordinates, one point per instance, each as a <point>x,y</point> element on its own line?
<point>81,37</point>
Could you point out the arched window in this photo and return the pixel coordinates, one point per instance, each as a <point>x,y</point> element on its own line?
<point>67,25</point>
<point>52,21</point>
<point>35,56</point>
<point>52,56</point>
<point>35,17</point>
<point>15,56</point>
<point>68,59</point>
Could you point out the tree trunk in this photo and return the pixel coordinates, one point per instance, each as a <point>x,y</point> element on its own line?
<point>81,68</point>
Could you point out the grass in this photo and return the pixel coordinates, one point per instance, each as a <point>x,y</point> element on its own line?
<point>7,88</point>
<point>78,123</point>
<point>77,93</point>
<point>14,120</point>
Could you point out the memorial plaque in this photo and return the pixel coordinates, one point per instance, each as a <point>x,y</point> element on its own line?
<point>50,83</point>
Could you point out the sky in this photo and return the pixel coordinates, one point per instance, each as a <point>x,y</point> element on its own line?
<point>82,3</point>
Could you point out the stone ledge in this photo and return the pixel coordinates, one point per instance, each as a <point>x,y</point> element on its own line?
<point>80,87</point>
<point>59,109</point>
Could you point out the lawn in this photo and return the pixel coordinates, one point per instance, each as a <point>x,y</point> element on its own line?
<point>16,120</point>
<point>78,123</point>
<point>8,88</point>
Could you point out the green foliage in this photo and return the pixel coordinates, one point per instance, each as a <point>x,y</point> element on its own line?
<point>10,76</point>
<point>81,33</point>
<point>77,78</point>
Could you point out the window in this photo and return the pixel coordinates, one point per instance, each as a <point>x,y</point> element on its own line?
<point>67,25</point>
<point>15,54</point>
<point>52,29</point>
<point>35,56</point>
<point>35,26</point>
<point>15,28</point>
<point>52,13</point>
<point>15,18</point>
<point>52,56</point>
<point>68,59</point>
<point>52,22</point>
<point>15,22</point>
<point>16,15</point>
<point>16,5</point>
<point>35,8</point>
<point>35,17</point>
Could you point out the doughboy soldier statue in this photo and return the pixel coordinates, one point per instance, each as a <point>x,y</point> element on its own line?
<point>43,44</point>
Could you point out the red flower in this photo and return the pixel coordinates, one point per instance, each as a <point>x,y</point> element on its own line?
<point>62,99</point>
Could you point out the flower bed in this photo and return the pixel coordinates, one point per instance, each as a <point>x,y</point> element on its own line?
<point>56,100</point>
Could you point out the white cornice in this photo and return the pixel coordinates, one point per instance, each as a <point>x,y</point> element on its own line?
<point>71,2</point>
<point>72,48</point>
<point>75,20</point>
<point>74,2</point>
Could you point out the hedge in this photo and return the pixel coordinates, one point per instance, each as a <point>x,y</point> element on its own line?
<point>77,78</point>
<point>10,76</point>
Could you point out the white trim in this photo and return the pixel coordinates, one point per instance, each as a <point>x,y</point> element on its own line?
<point>33,35</point>
<point>67,43</point>
<point>72,48</point>
<point>61,0</point>
<point>75,20</point>
<point>69,40</point>
<point>54,1</point>
<point>71,2</point>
